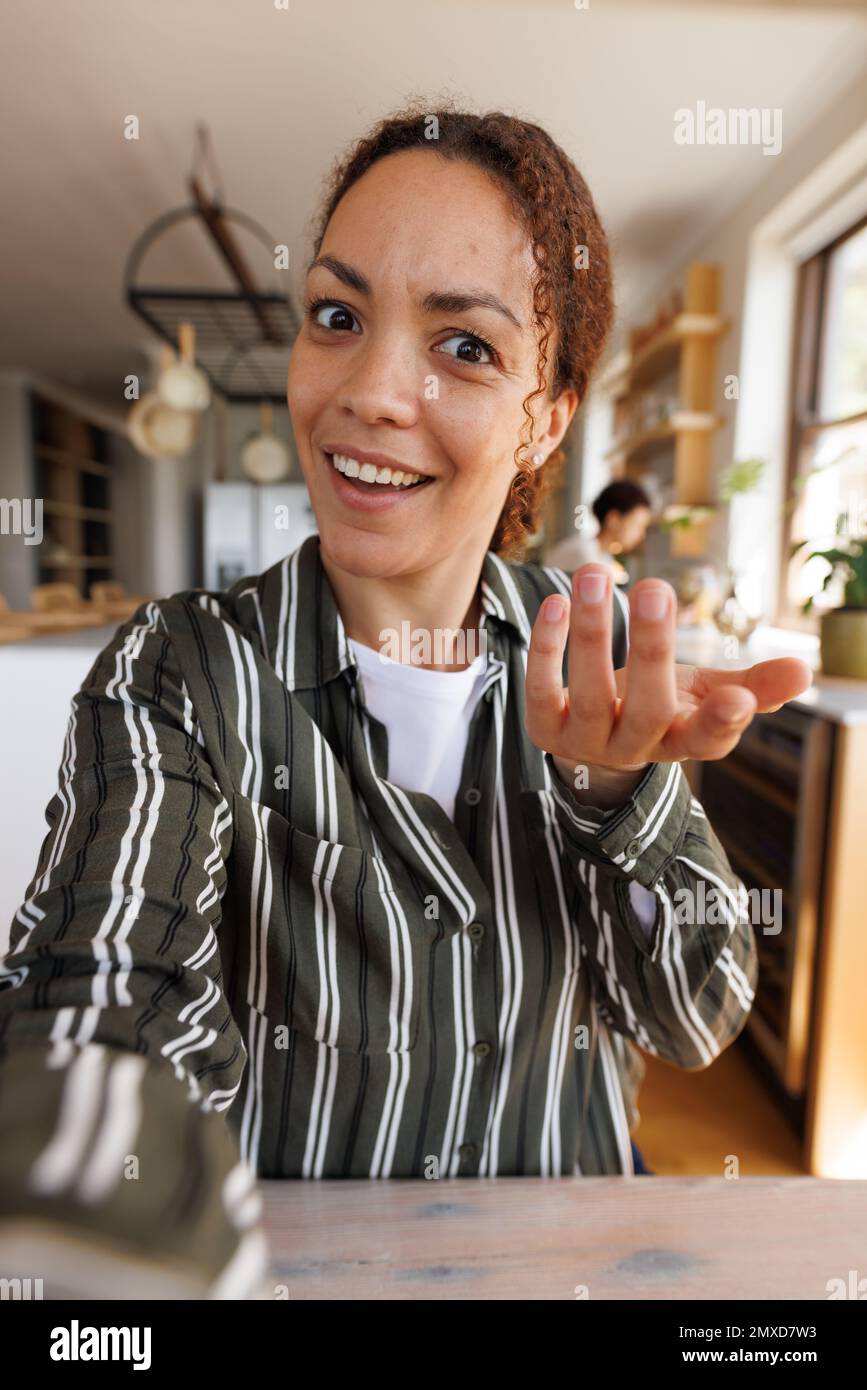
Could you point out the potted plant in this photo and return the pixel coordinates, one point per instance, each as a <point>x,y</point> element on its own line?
<point>843,630</point>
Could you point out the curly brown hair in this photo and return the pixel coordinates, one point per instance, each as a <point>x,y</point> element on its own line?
<point>553,203</point>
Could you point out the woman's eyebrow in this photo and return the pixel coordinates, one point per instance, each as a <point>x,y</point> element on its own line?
<point>458,301</point>
<point>438,301</point>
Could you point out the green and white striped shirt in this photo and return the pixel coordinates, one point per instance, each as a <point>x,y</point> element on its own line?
<point>344,981</point>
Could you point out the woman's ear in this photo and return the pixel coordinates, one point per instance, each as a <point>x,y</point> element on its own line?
<point>559,418</point>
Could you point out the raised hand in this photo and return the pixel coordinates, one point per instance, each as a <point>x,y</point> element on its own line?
<point>653,710</point>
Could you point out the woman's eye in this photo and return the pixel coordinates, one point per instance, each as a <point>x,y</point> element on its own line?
<point>472,346</point>
<point>334,316</point>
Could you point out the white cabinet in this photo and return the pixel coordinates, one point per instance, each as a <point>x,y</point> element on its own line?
<point>249,527</point>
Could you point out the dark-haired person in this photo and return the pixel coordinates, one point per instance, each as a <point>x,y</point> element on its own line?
<point>623,513</point>
<point>262,938</point>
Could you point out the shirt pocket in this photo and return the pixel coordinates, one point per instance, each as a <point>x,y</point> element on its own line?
<point>348,950</point>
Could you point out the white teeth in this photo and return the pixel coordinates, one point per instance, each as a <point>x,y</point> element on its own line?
<point>369,473</point>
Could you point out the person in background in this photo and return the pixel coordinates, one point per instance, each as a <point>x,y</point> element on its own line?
<point>623,512</point>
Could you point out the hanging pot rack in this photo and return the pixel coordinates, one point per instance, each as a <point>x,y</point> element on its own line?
<point>243,335</point>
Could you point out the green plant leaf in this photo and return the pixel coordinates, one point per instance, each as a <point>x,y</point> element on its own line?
<point>741,476</point>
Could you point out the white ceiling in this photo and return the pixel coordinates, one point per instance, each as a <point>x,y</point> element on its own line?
<point>283,93</point>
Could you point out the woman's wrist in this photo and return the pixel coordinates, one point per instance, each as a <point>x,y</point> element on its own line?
<point>591,784</point>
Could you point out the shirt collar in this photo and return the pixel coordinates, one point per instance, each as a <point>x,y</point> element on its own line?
<point>306,640</point>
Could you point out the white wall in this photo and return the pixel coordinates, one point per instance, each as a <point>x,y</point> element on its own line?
<point>37,682</point>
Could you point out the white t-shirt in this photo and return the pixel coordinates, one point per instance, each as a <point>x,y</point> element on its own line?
<point>427,716</point>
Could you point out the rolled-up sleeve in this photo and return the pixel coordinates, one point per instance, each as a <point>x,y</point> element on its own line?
<point>682,986</point>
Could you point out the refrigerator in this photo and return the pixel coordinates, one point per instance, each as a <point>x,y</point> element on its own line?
<point>248,527</point>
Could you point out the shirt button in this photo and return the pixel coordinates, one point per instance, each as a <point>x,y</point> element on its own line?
<point>476,931</point>
<point>468,1152</point>
<point>481,1049</point>
<point>633,849</point>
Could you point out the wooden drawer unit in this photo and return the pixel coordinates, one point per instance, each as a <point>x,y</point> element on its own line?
<point>790,807</point>
<point>768,803</point>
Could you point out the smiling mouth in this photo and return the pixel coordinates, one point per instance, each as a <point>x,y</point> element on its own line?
<point>367,477</point>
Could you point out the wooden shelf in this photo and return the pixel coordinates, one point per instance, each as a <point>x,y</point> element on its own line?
<point>681,422</point>
<point>661,354</point>
<point>73,510</point>
<point>83,562</point>
<point>72,472</point>
<point>673,371</point>
<point>70,460</point>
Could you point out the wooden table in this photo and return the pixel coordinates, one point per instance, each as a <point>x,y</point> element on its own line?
<point>543,1238</point>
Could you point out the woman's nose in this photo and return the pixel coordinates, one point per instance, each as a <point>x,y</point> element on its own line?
<point>383,377</point>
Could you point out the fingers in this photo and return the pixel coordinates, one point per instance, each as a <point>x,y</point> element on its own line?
<point>714,728</point>
<point>650,702</point>
<point>729,699</point>
<point>592,688</point>
<point>771,682</point>
<point>546,705</point>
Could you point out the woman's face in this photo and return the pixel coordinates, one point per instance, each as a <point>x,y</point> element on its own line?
<point>392,364</point>
<point>629,528</point>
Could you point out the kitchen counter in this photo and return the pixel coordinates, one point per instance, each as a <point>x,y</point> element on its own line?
<point>90,635</point>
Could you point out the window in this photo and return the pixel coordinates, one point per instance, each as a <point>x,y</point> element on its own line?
<point>827,476</point>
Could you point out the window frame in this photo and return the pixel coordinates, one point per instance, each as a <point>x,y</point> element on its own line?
<point>811,310</point>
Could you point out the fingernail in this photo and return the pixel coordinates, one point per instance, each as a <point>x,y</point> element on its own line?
<point>554,608</point>
<point>591,588</point>
<point>652,604</point>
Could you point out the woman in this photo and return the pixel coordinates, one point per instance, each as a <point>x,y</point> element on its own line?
<point>247,909</point>
<point>622,511</point>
